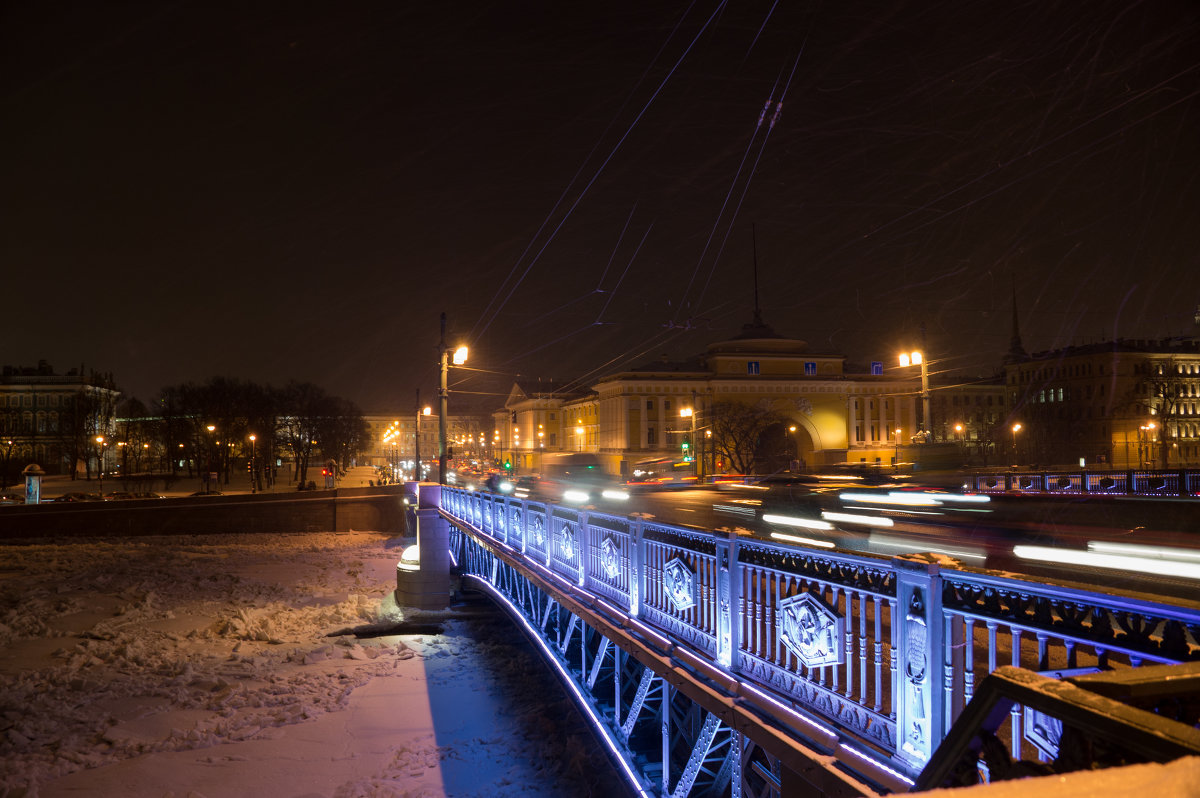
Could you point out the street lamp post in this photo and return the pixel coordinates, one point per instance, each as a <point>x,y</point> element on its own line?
<point>918,359</point>
<point>100,462</point>
<point>896,459</point>
<point>1015,429</point>
<point>253,473</point>
<point>579,439</point>
<point>460,357</point>
<point>690,413</point>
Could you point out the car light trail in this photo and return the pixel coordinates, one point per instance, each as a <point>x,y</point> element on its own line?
<point>1148,552</point>
<point>789,520</point>
<point>619,495</point>
<point>850,518</point>
<point>575,496</point>
<point>820,544</point>
<point>1145,565</point>
<point>904,499</point>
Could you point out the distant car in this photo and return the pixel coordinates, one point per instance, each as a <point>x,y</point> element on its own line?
<point>149,496</point>
<point>118,495</point>
<point>206,493</point>
<point>12,498</point>
<point>76,496</point>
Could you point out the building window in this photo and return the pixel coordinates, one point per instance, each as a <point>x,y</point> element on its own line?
<point>666,405</point>
<point>810,369</point>
<point>649,404</point>
<point>650,437</point>
<point>553,437</point>
<point>752,367</point>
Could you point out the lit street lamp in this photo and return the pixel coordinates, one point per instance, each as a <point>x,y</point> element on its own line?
<point>460,357</point>
<point>918,359</point>
<point>896,459</point>
<point>690,413</point>
<point>579,438</point>
<point>253,475</point>
<point>1015,429</point>
<point>100,462</point>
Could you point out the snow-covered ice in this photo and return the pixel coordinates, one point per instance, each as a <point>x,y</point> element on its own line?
<point>202,666</point>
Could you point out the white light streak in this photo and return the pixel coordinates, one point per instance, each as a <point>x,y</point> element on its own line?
<point>1145,565</point>
<point>849,518</point>
<point>906,499</point>
<point>619,495</point>
<point>575,496</point>
<point>821,544</point>
<point>789,520</point>
<point>1148,552</point>
<point>967,498</point>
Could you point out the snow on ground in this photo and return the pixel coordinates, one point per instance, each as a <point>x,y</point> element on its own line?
<point>201,666</point>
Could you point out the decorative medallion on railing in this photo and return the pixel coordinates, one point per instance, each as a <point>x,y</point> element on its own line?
<point>566,541</point>
<point>679,582</point>
<point>610,558</point>
<point>515,524</point>
<point>810,630</point>
<point>539,530</point>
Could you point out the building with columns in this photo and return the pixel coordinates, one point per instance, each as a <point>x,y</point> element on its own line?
<point>828,414</point>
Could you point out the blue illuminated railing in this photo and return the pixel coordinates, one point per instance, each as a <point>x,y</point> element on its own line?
<point>1147,483</point>
<point>886,650</point>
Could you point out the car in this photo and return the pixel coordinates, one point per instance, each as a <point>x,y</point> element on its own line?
<point>206,493</point>
<point>76,496</point>
<point>12,498</point>
<point>118,495</point>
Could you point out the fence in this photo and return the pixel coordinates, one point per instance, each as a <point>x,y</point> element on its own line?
<point>883,652</point>
<point>1182,484</point>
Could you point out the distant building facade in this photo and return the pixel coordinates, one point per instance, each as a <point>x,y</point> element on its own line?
<point>1124,403</point>
<point>54,420</point>
<point>827,414</point>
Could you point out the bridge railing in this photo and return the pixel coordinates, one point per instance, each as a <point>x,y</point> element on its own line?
<point>885,651</point>
<point>1138,482</point>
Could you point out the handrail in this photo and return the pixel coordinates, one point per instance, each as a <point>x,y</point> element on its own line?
<point>1145,735</point>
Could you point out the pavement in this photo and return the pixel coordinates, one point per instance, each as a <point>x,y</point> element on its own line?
<point>239,483</point>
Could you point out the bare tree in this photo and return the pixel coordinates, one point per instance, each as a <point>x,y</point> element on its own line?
<point>738,432</point>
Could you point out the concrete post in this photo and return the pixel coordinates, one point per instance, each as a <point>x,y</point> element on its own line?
<point>427,585</point>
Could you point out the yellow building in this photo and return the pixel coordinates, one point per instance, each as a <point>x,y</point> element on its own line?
<point>811,411</point>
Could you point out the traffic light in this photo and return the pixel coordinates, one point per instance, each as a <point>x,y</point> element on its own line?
<point>687,451</point>
<point>508,465</point>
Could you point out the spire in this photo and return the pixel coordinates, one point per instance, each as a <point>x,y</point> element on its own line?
<point>1015,350</point>
<point>757,328</point>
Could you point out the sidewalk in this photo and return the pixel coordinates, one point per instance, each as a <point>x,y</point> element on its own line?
<point>58,485</point>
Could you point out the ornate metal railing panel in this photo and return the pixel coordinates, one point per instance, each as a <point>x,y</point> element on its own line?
<point>679,577</point>
<point>817,627</point>
<point>1173,483</point>
<point>610,548</point>
<point>1049,628</point>
<point>883,652</point>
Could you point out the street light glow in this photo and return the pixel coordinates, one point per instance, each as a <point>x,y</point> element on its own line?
<point>460,356</point>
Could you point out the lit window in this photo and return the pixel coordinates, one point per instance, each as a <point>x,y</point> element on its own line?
<point>752,367</point>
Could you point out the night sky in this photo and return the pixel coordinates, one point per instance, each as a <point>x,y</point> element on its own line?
<point>277,191</point>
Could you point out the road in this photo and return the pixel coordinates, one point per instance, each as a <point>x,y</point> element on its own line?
<point>991,534</point>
